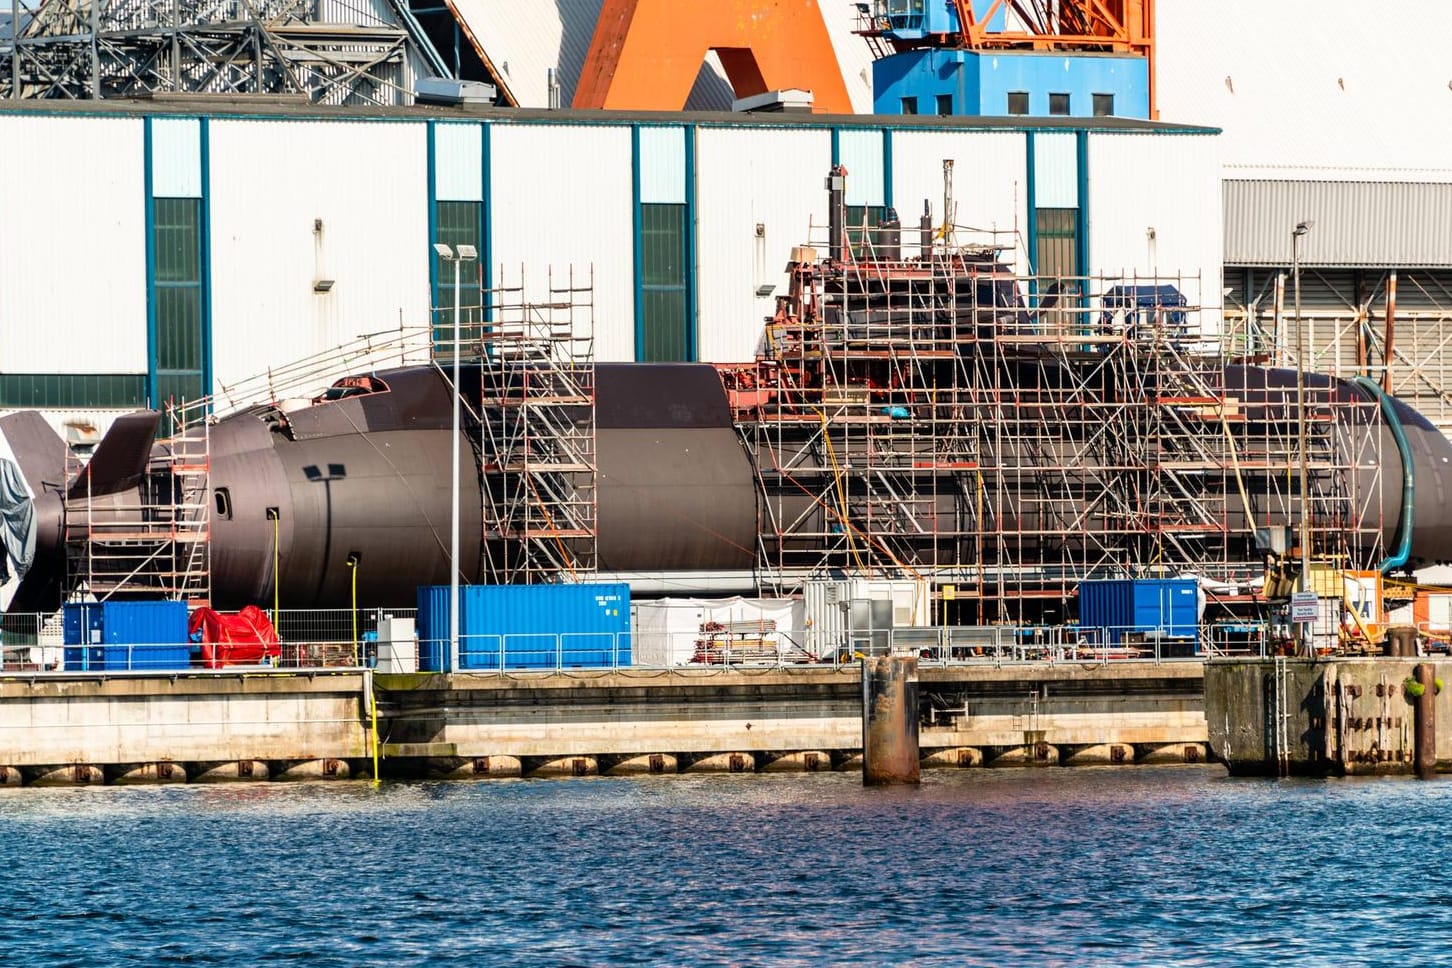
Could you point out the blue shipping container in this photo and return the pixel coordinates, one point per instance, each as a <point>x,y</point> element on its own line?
<point>117,636</point>
<point>526,626</point>
<point>1167,605</point>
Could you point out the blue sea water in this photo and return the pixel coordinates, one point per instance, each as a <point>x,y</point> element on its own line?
<point>1112,866</point>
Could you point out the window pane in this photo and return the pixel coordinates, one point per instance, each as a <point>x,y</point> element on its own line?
<point>1057,242</point>
<point>177,387</point>
<point>665,336</point>
<point>1059,104</point>
<point>179,327</point>
<point>177,238</point>
<point>72,391</point>
<point>945,104</point>
<point>1104,105</point>
<point>1018,102</point>
<point>459,223</point>
<point>663,278</point>
<point>909,105</point>
<point>862,223</point>
<point>663,244</point>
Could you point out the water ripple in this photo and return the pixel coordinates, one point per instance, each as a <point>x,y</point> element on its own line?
<point>1127,867</point>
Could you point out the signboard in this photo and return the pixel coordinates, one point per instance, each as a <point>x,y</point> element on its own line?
<point>1303,607</point>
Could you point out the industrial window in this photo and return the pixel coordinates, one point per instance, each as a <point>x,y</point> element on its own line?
<point>1059,104</point>
<point>1018,102</point>
<point>458,223</point>
<point>1057,248</point>
<point>1104,105</point>
<point>862,228</point>
<point>945,104</point>
<point>909,105</point>
<point>663,279</point>
<point>178,293</point>
<point>73,391</point>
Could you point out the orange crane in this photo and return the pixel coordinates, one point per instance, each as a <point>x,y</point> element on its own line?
<point>646,54</point>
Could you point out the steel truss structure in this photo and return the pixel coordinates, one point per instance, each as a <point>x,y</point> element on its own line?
<point>934,418</point>
<point>535,430</point>
<point>355,52</point>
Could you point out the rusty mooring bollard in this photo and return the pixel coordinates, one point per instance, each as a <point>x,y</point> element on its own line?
<point>890,720</point>
<point>1424,717</point>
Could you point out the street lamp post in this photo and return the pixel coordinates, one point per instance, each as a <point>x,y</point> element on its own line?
<point>464,253</point>
<point>1301,361</point>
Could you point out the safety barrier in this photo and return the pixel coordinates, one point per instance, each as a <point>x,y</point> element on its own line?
<point>342,638</point>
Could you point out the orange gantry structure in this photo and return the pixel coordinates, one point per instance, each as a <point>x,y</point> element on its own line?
<point>646,54</point>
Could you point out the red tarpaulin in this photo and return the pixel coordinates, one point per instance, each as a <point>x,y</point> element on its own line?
<point>246,638</point>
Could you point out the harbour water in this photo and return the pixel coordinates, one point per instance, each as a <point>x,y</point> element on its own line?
<point>1113,866</point>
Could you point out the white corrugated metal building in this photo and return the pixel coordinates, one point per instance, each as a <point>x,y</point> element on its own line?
<point>1337,114</point>
<point>1332,112</point>
<point>149,251</point>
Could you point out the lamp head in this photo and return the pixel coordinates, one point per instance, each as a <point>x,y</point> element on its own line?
<point>1303,227</point>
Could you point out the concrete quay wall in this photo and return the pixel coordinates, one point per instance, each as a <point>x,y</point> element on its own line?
<point>268,724</point>
<point>113,721</point>
<point>1321,716</point>
<point>693,714</point>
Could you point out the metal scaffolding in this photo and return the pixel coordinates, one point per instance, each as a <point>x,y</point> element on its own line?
<point>153,537</point>
<point>536,431</point>
<point>943,417</point>
<point>356,52</point>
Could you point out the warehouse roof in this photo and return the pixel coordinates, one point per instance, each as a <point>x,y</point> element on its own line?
<point>290,107</point>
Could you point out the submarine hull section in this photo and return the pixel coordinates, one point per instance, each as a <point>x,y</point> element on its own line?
<point>676,490</point>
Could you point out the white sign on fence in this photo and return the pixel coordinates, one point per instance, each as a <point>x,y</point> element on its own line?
<point>1303,607</point>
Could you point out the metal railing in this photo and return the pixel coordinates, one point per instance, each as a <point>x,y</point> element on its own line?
<point>342,638</point>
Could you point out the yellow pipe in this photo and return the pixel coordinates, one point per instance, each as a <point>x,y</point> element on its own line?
<point>276,564</point>
<point>373,709</point>
<point>353,566</point>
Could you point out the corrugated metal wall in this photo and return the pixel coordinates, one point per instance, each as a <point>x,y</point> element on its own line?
<point>72,245</point>
<point>748,177</point>
<point>1357,223</point>
<point>1164,183</point>
<point>1330,83</point>
<point>561,196</point>
<point>271,182</point>
<point>989,181</point>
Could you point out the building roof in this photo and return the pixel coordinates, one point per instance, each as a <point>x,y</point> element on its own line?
<point>230,106</point>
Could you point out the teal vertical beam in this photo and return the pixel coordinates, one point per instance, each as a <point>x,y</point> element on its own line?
<point>1031,235</point>
<point>692,320</point>
<point>836,146</point>
<point>887,168</point>
<point>636,241</point>
<point>486,247</point>
<point>433,216</point>
<point>149,203</point>
<point>206,256</point>
<point>1081,221</point>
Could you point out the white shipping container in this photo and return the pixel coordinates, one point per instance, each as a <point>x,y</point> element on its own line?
<point>667,632</point>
